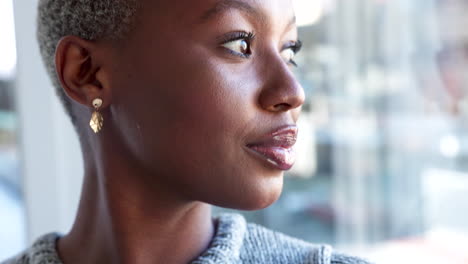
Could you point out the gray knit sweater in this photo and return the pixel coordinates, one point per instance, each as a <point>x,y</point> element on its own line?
<point>235,242</point>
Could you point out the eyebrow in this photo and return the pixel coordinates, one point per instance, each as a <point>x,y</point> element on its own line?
<point>225,5</point>
<point>292,22</point>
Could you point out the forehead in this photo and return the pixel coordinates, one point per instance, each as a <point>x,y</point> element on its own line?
<point>200,11</point>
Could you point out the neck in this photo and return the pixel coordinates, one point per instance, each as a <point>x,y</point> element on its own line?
<point>120,220</point>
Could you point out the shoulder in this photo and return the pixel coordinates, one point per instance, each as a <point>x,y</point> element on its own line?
<point>42,251</point>
<point>263,245</point>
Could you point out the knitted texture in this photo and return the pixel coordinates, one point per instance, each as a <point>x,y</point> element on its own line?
<point>235,242</point>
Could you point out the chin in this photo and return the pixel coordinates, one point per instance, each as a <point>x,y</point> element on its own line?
<point>256,196</point>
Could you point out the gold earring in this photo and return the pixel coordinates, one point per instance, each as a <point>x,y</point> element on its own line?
<point>97,120</point>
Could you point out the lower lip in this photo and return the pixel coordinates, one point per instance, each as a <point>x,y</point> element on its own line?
<point>278,157</point>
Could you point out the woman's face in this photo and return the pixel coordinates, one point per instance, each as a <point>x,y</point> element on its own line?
<point>197,91</point>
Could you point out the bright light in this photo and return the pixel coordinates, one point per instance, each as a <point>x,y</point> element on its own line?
<point>449,146</point>
<point>308,12</point>
<point>7,40</point>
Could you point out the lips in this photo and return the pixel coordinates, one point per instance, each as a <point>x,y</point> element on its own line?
<point>276,148</point>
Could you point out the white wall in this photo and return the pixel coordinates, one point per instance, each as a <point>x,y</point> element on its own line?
<point>51,159</point>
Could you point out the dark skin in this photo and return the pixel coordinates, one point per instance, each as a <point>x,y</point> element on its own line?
<point>179,108</point>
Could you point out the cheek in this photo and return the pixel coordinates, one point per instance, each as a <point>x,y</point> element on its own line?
<point>188,121</point>
<point>207,95</point>
<point>210,113</point>
<point>210,125</point>
<point>218,99</point>
<point>188,106</point>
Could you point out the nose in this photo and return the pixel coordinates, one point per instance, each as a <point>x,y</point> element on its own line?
<point>281,92</point>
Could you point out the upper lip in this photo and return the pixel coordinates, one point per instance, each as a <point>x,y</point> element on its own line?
<point>284,137</point>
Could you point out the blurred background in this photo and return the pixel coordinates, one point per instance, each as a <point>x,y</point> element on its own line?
<point>383,147</point>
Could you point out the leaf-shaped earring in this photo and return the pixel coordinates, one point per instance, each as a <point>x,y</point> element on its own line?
<point>97,120</point>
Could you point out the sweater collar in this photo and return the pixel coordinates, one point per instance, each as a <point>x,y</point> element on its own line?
<point>223,248</point>
<point>227,242</point>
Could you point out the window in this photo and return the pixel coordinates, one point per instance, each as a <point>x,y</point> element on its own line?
<point>12,222</point>
<point>382,170</point>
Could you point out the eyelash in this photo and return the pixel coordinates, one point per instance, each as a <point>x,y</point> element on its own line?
<point>239,35</point>
<point>295,46</point>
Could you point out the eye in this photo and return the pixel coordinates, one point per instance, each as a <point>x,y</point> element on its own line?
<point>290,50</point>
<point>288,55</point>
<point>239,46</point>
<point>238,43</point>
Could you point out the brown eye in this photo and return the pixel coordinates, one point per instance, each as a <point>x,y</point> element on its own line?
<point>240,46</point>
<point>244,46</point>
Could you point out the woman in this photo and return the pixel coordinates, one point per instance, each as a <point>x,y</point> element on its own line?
<point>179,105</point>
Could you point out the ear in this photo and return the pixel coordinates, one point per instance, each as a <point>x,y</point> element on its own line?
<point>80,71</point>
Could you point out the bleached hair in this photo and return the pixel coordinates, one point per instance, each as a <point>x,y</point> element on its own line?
<point>87,19</point>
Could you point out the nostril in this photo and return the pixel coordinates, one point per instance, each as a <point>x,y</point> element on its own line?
<point>280,107</point>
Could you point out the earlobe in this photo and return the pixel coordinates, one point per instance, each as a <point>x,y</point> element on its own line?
<point>77,70</point>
